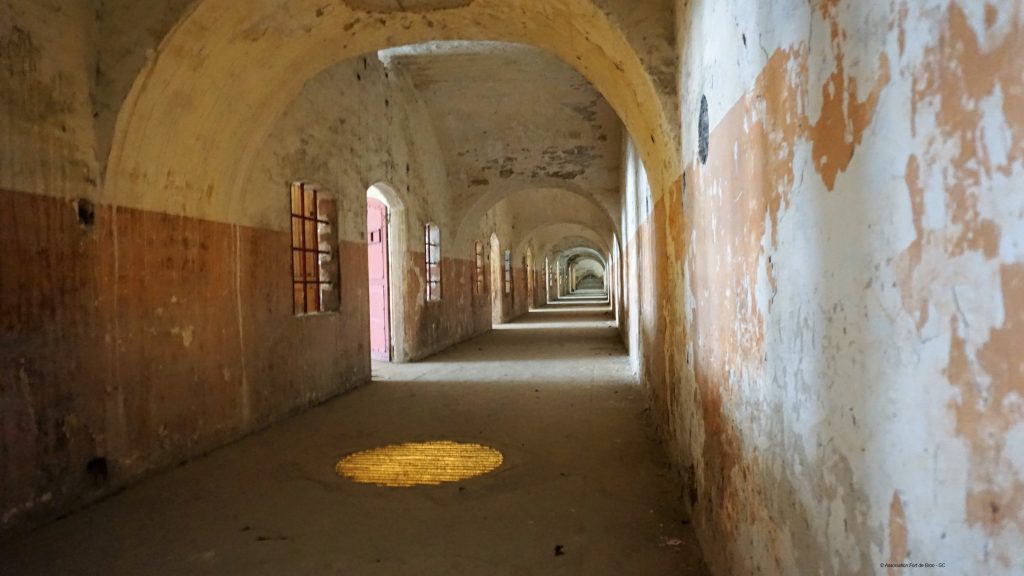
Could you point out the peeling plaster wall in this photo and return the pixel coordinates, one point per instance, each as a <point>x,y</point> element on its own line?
<point>128,33</point>
<point>47,139</point>
<point>360,123</point>
<point>845,360</point>
<point>500,220</point>
<point>146,339</point>
<point>637,231</point>
<point>132,340</point>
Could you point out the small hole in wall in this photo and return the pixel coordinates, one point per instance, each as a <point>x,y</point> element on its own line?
<point>744,40</point>
<point>97,471</point>
<point>702,131</point>
<point>86,212</point>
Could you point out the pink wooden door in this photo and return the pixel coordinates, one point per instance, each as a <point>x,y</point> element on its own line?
<point>377,251</point>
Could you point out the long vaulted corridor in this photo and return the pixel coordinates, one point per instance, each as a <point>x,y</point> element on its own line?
<point>516,287</point>
<point>552,391</point>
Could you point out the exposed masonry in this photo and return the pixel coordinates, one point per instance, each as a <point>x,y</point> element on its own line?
<point>807,210</point>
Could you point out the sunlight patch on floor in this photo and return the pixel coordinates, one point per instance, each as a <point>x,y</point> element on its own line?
<point>562,326</point>
<point>419,464</point>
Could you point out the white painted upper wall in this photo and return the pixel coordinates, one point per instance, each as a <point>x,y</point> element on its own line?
<point>882,421</point>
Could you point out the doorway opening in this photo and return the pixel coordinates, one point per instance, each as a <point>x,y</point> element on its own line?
<point>379,269</point>
<point>530,285</point>
<point>497,282</point>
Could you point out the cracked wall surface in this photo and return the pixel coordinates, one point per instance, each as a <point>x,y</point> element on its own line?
<point>832,366</point>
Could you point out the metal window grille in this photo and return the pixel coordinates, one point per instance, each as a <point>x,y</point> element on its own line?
<point>479,269</point>
<point>432,242</point>
<point>508,271</point>
<point>308,282</point>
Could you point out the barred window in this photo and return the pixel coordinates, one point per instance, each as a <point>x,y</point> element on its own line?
<point>314,245</point>
<point>508,271</point>
<point>432,243</point>
<point>479,283</point>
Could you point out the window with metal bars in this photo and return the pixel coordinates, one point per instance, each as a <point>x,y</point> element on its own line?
<point>479,281</point>
<point>508,271</point>
<point>314,244</point>
<point>432,242</point>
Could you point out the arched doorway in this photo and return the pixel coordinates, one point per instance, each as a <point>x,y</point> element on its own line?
<point>386,246</point>
<point>379,271</point>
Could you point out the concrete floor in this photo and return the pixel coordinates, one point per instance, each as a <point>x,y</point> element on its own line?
<point>551,391</point>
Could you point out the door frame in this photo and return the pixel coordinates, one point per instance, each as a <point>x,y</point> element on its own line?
<point>388,309</point>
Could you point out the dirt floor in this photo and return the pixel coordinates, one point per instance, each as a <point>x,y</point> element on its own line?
<point>584,488</point>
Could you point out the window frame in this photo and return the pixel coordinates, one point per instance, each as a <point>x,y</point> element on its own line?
<point>432,261</point>
<point>478,281</point>
<point>309,226</point>
<point>507,269</point>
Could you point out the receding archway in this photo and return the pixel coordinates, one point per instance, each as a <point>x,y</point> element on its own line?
<point>243,63</point>
<point>588,273</point>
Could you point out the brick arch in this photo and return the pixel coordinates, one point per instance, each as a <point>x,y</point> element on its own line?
<point>237,66</point>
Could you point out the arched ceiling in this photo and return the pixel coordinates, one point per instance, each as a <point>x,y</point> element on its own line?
<point>579,253</point>
<point>531,209</point>
<point>510,117</point>
<point>242,63</point>
<point>553,239</point>
<point>588,264</point>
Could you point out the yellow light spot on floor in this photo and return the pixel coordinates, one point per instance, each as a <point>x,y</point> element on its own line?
<point>419,464</point>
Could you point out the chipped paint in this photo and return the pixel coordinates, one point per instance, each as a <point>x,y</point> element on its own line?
<point>839,315</point>
<point>179,400</point>
<point>826,316</point>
